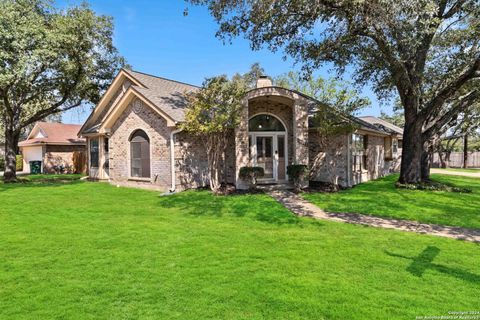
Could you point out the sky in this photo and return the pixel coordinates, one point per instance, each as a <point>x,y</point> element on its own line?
<point>156,38</point>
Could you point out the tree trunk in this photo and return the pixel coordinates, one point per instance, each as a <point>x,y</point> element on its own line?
<point>442,160</point>
<point>426,160</point>
<point>426,164</point>
<point>11,144</point>
<point>410,171</point>
<point>224,158</point>
<point>465,151</point>
<point>441,157</point>
<point>214,152</point>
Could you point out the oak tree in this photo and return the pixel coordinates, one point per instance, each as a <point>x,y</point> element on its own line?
<point>51,60</point>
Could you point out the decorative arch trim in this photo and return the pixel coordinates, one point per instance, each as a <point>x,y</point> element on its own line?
<point>285,128</point>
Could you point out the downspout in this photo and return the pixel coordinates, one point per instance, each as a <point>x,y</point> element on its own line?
<point>349,167</point>
<point>172,158</point>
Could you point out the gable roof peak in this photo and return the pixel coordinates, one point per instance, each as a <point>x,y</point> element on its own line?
<point>139,74</point>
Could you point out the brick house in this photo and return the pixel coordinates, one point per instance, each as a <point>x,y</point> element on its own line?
<point>133,138</point>
<point>57,146</point>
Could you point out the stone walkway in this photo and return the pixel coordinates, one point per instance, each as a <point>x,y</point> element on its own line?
<point>301,207</point>
<point>472,174</point>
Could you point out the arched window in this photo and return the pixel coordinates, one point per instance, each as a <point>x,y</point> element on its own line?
<point>140,155</point>
<point>265,122</point>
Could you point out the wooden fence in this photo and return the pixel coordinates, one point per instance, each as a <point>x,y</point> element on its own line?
<point>79,162</point>
<point>456,160</point>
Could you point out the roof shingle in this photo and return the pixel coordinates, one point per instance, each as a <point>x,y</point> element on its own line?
<point>382,124</point>
<point>55,133</point>
<point>168,95</point>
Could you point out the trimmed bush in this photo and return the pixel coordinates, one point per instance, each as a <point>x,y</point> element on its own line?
<point>251,174</point>
<point>297,172</point>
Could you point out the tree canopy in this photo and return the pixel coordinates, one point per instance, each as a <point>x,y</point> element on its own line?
<point>51,60</point>
<point>335,93</point>
<point>212,113</point>
<point>397,118</point>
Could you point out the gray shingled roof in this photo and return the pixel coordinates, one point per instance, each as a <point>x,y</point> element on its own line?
<point>382,124</point>
<point>167,95</point>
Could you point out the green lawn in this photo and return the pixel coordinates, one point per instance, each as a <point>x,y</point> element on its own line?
<point>381,198</point>
<point>84,250</point>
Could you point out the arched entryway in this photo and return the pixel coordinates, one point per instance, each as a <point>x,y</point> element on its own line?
<point>268,146</point>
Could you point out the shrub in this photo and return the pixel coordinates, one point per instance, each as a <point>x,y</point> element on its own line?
<point>19,162</point>
<point>251,174</point>
<point>432,186</point>
<point>297,172</point>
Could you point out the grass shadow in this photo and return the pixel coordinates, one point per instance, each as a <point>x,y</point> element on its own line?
<point>424,261</point>
<point>258,207</point>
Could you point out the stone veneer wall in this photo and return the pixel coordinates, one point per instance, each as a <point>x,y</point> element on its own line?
<point>301,131</point>
<point>295,116</point>
<point>191,163</point>
<point>279,110</point>
<point>375,153</point>
<point>328,163</point>
<point>375,157</point>
<point>119,147</point>
<point>58,155</point>
<point>190,154</point>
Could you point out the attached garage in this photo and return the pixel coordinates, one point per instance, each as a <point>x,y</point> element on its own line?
<point>55,147</point>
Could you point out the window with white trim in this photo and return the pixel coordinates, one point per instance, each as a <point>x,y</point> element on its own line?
<point>359,158</point>
<point>94,153</point>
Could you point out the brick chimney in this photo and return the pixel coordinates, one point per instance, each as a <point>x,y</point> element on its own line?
<point>264,81</point>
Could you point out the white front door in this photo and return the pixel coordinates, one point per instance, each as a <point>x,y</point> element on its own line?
<point>269,152</point>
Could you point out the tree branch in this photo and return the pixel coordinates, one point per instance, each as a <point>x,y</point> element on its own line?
<point>438,100</point>
<point>55,106</point>
<point>46,112</point>
<point>461,106</point>
<point>453,9</point>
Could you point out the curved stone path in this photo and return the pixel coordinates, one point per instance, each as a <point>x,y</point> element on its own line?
<point>302,207</point>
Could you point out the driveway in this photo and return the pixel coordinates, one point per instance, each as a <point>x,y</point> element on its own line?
<point>456,173</point>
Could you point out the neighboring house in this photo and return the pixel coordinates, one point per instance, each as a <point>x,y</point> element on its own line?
<point>134,138</point>
<point>396,142</point>
<point>57,146</point>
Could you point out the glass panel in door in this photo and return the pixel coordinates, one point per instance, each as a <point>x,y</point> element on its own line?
<point>281,157</point>
<point>265,155</point>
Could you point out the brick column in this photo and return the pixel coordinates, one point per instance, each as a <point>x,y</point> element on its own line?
<point>300,132</point>
<point>241,146</point>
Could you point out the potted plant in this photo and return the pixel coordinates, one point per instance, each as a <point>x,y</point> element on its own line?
<point>250,175</point>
